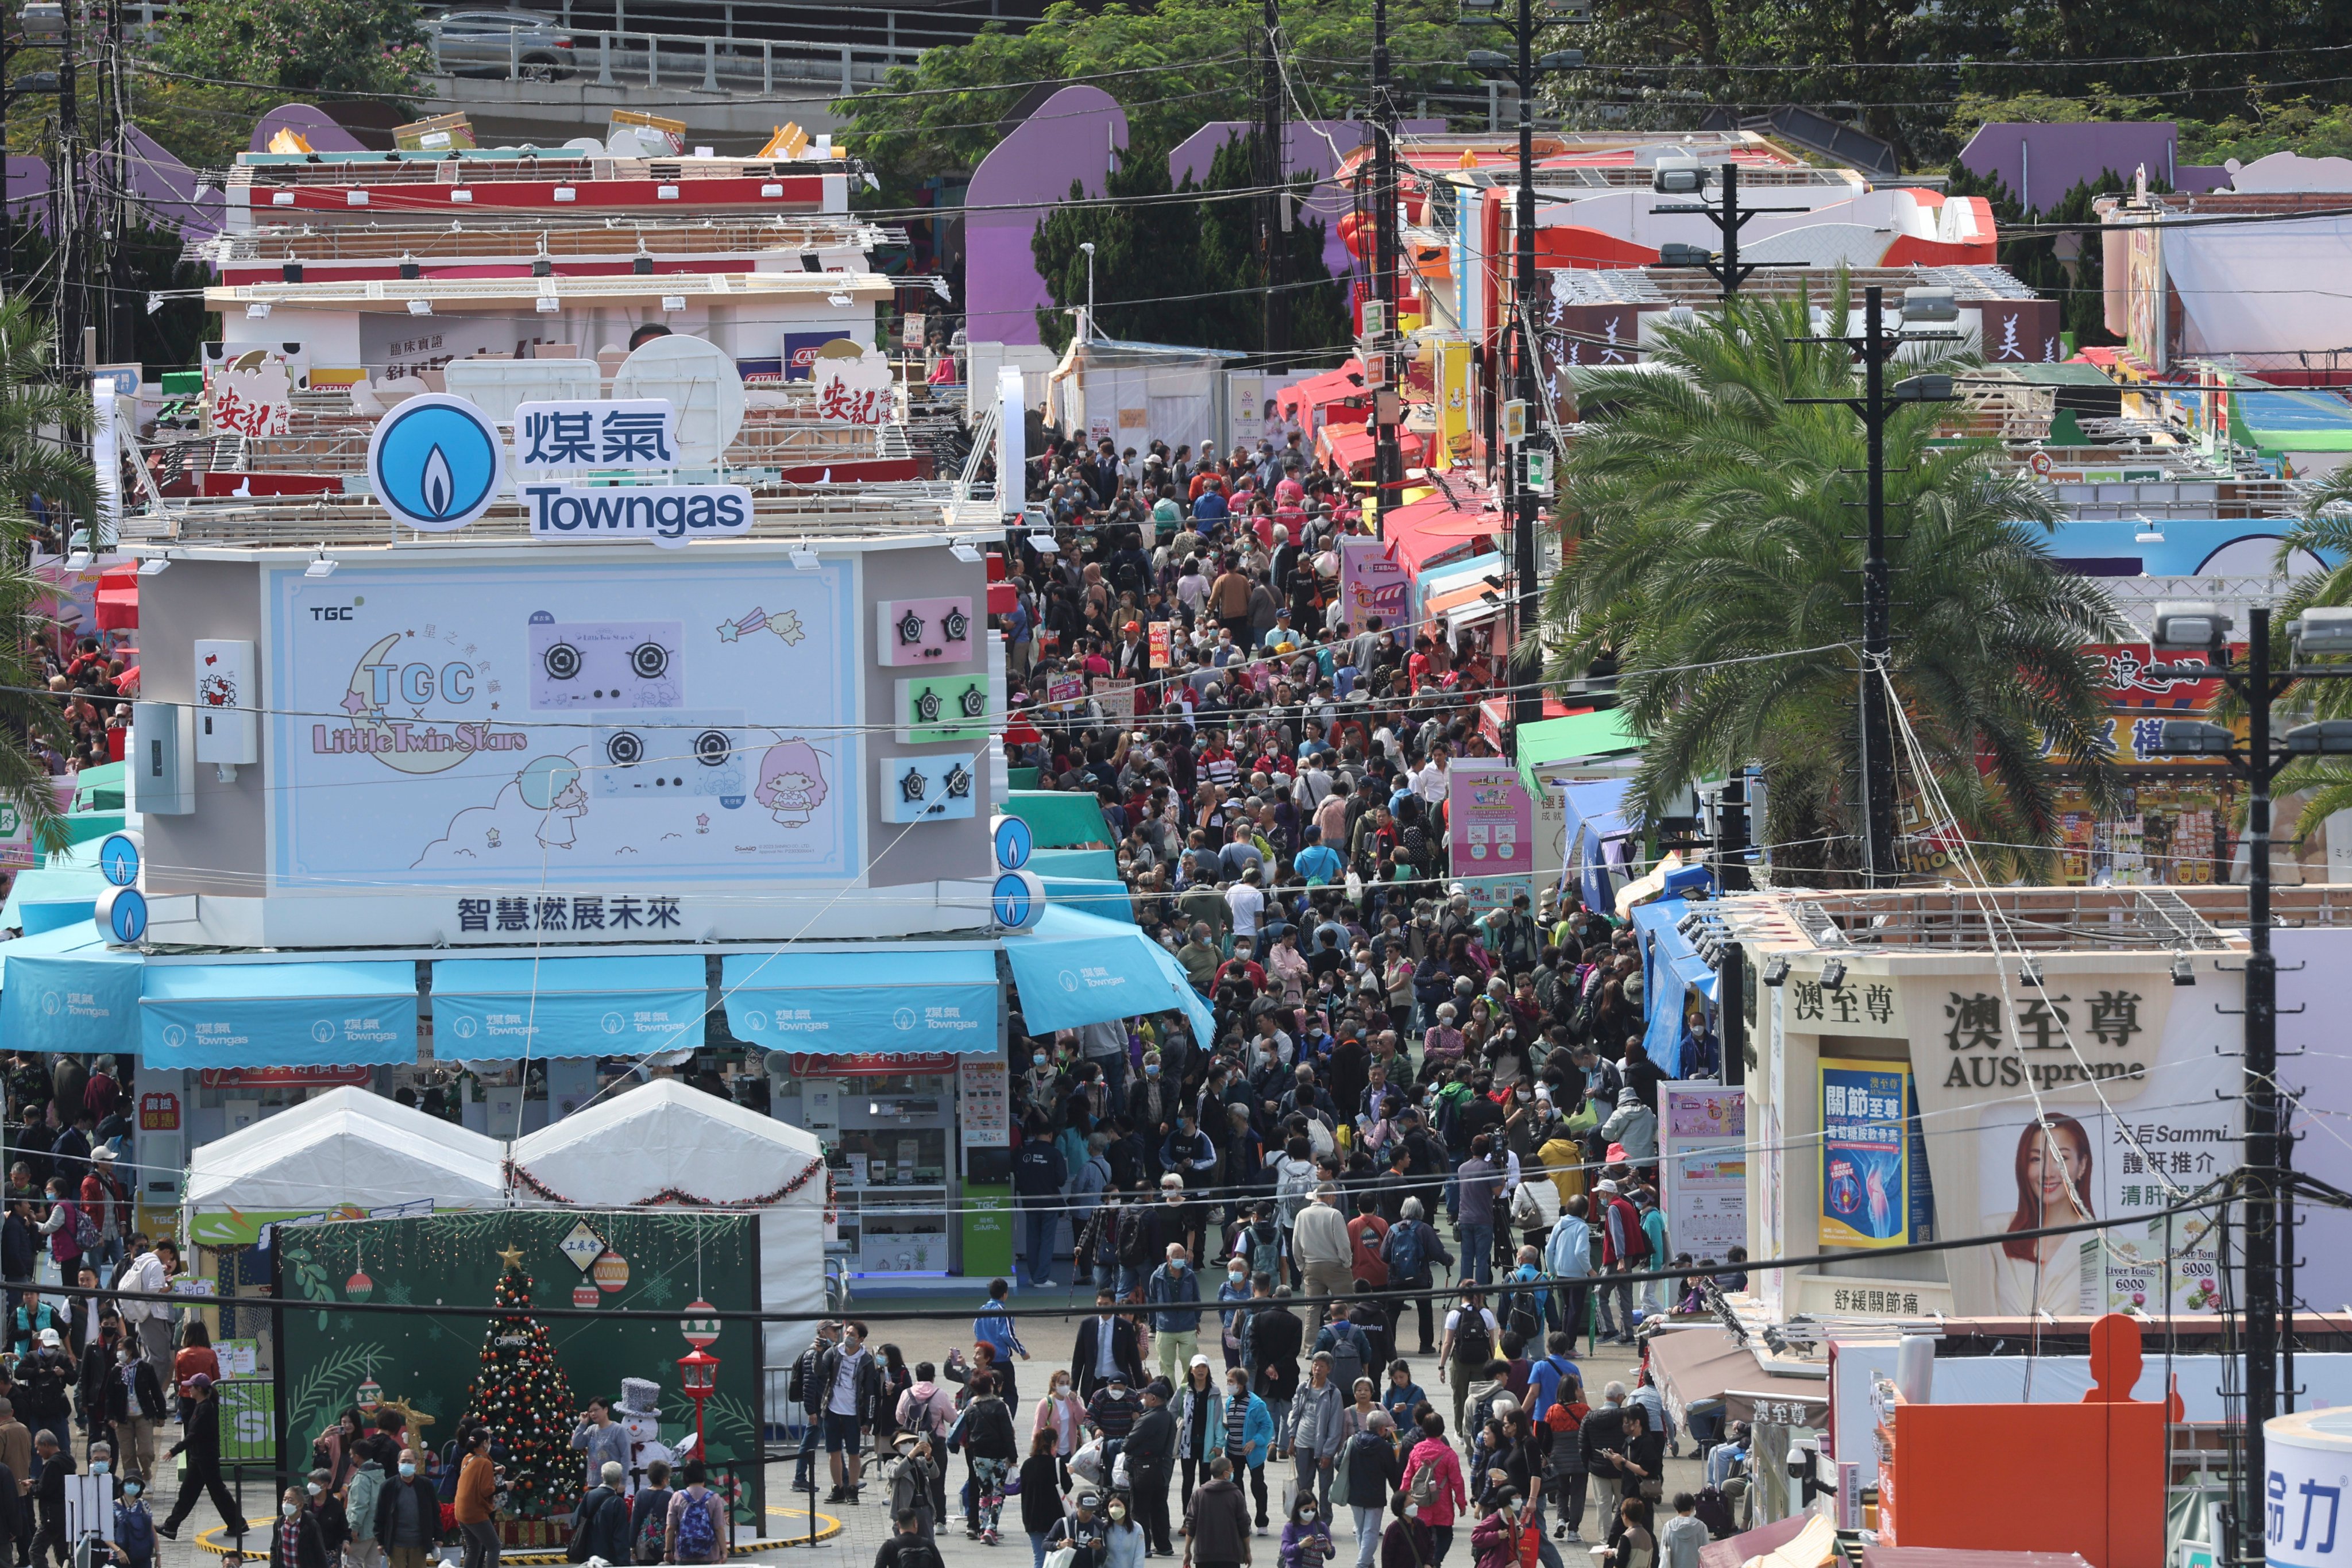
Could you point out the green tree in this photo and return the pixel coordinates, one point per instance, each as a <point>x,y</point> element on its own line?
<point>1713,552</point>
<point>522,1395</point>
<point>43,425</point>
<point>1174,66</point>
<point>357,46</point>
<point>1184,272</point>
<point>2069,267</point>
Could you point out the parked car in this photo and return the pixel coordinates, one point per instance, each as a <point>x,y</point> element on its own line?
<point>501,44</point>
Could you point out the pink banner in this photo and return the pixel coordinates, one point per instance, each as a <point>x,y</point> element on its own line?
<point>1371,584</point>
<point>1490,821</point>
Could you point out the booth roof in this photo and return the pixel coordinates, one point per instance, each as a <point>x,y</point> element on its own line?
<point>347,1147</point>
<point>664,1136</point>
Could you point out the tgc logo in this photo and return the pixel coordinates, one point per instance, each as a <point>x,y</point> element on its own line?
<point>334,611</point>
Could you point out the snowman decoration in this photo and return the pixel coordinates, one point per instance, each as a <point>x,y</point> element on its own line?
<point>639,1417</point>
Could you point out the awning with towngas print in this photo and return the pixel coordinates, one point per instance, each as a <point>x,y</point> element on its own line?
<point>1077,968</point>
<point>901,1001</point>
<point>277,1014</point>
<point>65,990</point>
<point>501,1010</point>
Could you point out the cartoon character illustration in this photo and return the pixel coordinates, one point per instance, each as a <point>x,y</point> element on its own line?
<point>791,783</point>
<point>551,785</point>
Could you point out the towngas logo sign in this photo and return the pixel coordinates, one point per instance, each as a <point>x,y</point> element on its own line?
<point>435,463</point>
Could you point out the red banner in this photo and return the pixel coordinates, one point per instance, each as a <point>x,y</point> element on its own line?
<point>158,1112</point>
<point>873,1064</point>
<point>2130,685</point>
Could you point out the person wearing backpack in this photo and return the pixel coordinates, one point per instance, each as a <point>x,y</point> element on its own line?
<point>1472,1332</point>
<point>1410,1247</point>
<point>1344,1343</point>
<point>696,1529</point>
<point>648,1515</point>
<point>911,1547</point>
<point>1550,1375</point>
<point>1431,1485</point>
<point>599,1525</point>
<point>1625,1250</point>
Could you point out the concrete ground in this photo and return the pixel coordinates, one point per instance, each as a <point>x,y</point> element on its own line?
<point>1050,1332</point>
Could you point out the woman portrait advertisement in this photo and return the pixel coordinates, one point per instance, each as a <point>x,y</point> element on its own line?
<point>2052,1168</point>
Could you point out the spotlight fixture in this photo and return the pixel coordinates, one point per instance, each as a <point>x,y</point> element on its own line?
<point>154,565</point>
<point>2028,972</point>
<point>803,558</point>
<point>322,565</point>
<point>965,551</point>
<point>1775,972</point>
<point>1833,974</point>
<point>2184,971</point>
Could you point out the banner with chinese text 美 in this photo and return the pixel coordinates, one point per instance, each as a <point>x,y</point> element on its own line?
<point>1160,635</point>
<point>1865,1153</point>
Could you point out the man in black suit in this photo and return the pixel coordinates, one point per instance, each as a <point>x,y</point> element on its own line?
<point>1150,1464</point>
<point>1091,1363</point>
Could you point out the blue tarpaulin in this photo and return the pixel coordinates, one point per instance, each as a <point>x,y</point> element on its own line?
<point>500,1009</point>
<point>277,1014</point>
<point>65,990</point>
<point>1595,812</point>
<point>1671,968</point>
<point>1112,901</point>
<point>1076,968</point>
<point>894,1001</point>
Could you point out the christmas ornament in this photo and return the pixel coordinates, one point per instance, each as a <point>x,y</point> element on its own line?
<point>521,1394</point>
<point>584,1294</point>
<point>611,1273</point>
<point>369,1396</point>
<point>359,1287</point>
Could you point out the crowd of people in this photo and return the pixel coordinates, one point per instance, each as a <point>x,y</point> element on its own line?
<point>1411,1111</point>
<point>92,690</point>
<point>1115,1462</point>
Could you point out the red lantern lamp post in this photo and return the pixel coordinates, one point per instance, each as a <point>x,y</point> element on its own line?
<point>698,1368</point>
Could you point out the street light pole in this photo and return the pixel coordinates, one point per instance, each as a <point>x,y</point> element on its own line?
<point>1387,457</point>
<point>1526,698</point>
<point>1683,175</point>
<point>1087,336</point>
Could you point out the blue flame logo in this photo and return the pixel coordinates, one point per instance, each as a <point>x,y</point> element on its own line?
<point>436,463</point>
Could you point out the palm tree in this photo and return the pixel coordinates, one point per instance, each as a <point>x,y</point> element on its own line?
<point>41,419</point>
<point>1714,551</point>
<point>2325,529</point>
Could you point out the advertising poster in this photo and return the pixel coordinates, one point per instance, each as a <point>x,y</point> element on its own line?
<point>1115,698</point>
<point>1454,400</point>
<point>1702,1161</point>
<point>1490,821</point>
<point>984,1103</point>
<point>1372,584</point>
<point>564,727</point>
<point>2109,1095</point>
<point>1865,1152</point>
<point>1160,635</point>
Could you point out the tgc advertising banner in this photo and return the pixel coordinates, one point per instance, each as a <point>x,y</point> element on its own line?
<point>564,726</point>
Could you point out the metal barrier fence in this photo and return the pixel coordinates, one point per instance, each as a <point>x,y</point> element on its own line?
<point>709,64</point>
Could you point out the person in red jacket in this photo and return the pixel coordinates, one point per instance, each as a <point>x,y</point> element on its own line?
<point>1624,1247</point>
<point>1447,1494</point>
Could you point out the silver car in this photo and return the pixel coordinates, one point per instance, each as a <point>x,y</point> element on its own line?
<point>501,44</point>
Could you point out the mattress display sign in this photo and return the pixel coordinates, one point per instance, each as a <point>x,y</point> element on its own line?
<point>570,728</point>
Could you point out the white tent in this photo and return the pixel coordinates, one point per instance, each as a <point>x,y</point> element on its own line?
<point>346,1148</point>
<point>666,1143</point>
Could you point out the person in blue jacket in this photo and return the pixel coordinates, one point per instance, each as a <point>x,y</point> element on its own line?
<point>1249,1436</point>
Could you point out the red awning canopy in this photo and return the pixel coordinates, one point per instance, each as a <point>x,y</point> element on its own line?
<point>117,600</point>
<point>1351,447</point>
<point>1419,533</point>
<point>1331,386</point>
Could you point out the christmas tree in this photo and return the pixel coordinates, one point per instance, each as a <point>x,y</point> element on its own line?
<point>522,1394</point>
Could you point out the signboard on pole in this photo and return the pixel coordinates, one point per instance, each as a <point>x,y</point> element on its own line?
<point>1703,1166</point>
<point>1371,584</point>
<point>1490,831</point>
<point>1865,1153</point>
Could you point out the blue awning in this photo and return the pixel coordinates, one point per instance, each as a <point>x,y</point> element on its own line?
<point>65,990</point>
<point>856,1004</point>
<point>1077,968</point>
<point>277,1014</point>
<point>1075,865</point>
<point>500,1009</point>
<point>1112,901</point>
<point>60,893</point>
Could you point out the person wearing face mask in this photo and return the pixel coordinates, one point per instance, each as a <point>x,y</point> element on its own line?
<point>1249,1437</point>
<point>1306,1539</point>
<point>407,1515</point>
<point>200,1440</point>
<point>1059,1412</point>
<point>1313,1433</point>
<point>1233,1317</point>
<point>1174,1292</point>
<point>134,1405</point>
<point>1125,1543</point>
<point>1040,1175</point>
<point>368,1476</point>
<point>298,1541</point>
<point>334,1526</point>
<point>133,1545</point>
